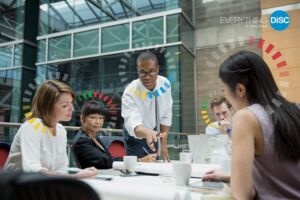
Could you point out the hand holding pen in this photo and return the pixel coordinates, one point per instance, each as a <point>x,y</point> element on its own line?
<point>152,138</point>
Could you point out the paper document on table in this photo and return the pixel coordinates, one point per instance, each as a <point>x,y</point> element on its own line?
<point>166,168</point>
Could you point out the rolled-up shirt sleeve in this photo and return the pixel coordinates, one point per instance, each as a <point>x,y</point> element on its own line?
<point>130,113</point>
<point>30,148</point>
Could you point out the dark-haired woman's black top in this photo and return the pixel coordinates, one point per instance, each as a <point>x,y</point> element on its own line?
<point>89,154</point>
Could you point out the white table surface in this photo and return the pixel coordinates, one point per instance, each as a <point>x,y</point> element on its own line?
<point>149,188</point>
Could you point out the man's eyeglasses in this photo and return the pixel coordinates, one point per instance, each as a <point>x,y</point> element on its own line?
<point>143,73</point>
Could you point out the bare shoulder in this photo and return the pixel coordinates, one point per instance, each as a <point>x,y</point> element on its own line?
<point>244,119</point>
<point>244,114</point>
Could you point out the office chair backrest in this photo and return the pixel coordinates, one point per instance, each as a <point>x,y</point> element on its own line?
<point>115,145</point>
<point>117,149</point>
<point>4,151</point>
<point>74,162</point>
<point>40,187</point>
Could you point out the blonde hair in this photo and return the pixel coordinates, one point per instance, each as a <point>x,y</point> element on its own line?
<point>43,102</point>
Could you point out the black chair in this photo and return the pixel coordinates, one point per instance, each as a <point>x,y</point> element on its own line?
<point>34,186</point>
<point>4,151</point>
<point>115,145</point>
<point>74,162</point>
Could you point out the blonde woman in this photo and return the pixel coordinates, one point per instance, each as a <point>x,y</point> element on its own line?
<point>40,143</point>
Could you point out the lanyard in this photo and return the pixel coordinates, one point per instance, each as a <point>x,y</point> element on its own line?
<point>157,128</point>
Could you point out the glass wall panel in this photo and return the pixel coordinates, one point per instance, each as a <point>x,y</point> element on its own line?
<point>59,47</point>
<point>115,38</point>
<point>11,20</point>
<point>172,4</point>
<point>10,84</point>
<point>146,6</point>
<point>41,51</point>
<point>86,43</point>
<point>173,74</point>
<point>173,29</point>
<point>60,15</point>
<point>147,32</point>
<point>187,81</point>
<point>6,56</point>
<point>187,7</point>
<point>18,54</point>
<point>187,34</point>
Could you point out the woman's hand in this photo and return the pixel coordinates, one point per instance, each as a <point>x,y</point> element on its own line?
<point>90,173</point>
<point>216,175</point>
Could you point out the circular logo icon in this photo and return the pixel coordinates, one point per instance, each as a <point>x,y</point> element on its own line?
<point>105,101</point>
<point>280,20</point>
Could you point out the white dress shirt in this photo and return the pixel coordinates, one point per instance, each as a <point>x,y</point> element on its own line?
<point>213,129</point>
<point>32,150</point>
<point>138,105</point>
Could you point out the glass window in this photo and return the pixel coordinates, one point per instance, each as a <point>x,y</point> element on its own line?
<point>143,7</point>
<point>18,54</point>
<point>172,4</point>
<point>187,7</point>
<point>147,32</point>
<point>188,83</point>
<point>61,15</point>
<point>115,38</point>
<point>173,28</point>
<point>6,56</point>
<point>59,47</point>
<point>86,43</point>
<point>173,74</point>
<point>187,34</point>
<point>11,20</point>
<point>10,81</point>
<point>41,51</point>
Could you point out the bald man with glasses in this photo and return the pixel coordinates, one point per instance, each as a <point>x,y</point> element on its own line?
<point>147,110</point>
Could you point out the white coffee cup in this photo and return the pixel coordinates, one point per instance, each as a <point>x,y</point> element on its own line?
<point>181,172</point>
<point>185,157</point>
<point>129,163</point>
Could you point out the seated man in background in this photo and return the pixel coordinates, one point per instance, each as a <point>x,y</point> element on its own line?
<point>89,148</point>
<point>221,108</point>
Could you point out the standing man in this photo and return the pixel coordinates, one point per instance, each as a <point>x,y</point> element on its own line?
<point>147,110</point>
<point>221,108</point>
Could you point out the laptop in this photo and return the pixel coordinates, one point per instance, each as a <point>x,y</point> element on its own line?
<point>199,147</point>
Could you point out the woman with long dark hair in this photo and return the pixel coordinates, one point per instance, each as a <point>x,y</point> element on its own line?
<point>266,132</point>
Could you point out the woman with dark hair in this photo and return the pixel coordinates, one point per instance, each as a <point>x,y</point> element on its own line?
<point>266,136</point>
<point>89,149</point>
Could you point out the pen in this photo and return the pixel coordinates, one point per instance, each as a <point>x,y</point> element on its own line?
<point>146,151</point>
<point>157,135</point>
